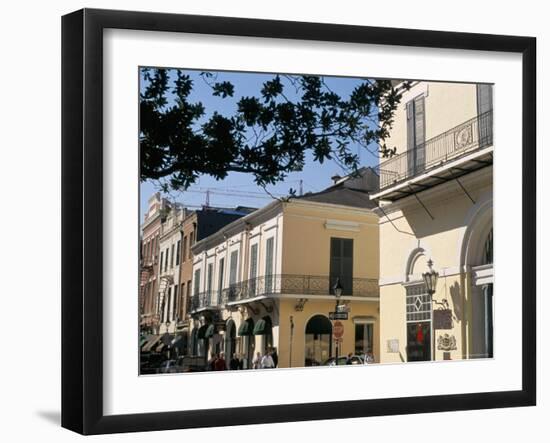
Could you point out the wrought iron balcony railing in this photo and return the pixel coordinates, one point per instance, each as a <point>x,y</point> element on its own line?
<point>291,284</point>
<point>474,134</point>
<point>204,300</point>
<point>296,285</point>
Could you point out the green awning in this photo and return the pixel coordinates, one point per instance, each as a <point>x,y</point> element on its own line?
<point>209,331</point>
<point>246,328</point>
<point>319,324</point>
<point>144,339</point>
<point>262,327</point>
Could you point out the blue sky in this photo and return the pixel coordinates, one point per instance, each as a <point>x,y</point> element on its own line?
<point>242,188</point>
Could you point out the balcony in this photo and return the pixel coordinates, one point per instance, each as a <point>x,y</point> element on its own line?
<point>204,301</point>
<point>456,152</point>
<point>296,285</point>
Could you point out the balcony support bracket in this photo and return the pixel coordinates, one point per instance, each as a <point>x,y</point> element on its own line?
<point>465,191</point>
<point>299,307</point>
<point>422,204</point>
<point>268,309</point>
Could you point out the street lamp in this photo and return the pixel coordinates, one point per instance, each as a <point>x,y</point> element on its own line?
<point>430,280</point>
<point>337,289</point>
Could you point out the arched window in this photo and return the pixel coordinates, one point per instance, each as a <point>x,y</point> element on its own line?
<point>318,346</point>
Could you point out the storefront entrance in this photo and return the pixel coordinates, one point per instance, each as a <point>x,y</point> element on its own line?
<point>318,346</point>
<point>419,341</point>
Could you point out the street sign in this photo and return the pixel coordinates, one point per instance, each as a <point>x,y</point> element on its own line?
<point>337,329</point>
<point>443,319</point>
<point>338,315</point>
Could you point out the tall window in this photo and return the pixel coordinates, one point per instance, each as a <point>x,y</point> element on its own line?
<point>269,250</point>
<point>196,281</point>
<point>253,268</point>
<point>341,264</point>
<point>209,277</point>
<point>184,255</point>
<point>178,250</point>
<point>364,338</point>
<point>220,279</point>
<point>233,262</point>
<point>167,301</point>
<point>166,259</point>
<point>174,302</point>
<point>182,302</point>
<point>191,243</point>
<point>161,259</point>
<point>172,256</point>
<point>416,134</point>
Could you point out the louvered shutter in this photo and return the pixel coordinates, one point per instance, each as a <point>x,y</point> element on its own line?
<point>419,133</point>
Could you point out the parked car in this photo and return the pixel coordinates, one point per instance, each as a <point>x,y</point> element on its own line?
<point>342,360</point>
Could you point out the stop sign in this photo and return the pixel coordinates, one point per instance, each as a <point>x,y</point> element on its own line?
<point>338,329</point>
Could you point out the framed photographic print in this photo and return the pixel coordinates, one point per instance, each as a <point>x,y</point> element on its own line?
<point>269,221</point>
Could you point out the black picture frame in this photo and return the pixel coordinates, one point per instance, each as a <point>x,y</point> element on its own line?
<point>82,215</point>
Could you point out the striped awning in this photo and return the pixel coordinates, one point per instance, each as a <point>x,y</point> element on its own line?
<point>147,347</point>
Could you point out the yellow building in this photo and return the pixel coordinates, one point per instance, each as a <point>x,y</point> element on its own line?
<point>435,203</point>
<point>267,280</point>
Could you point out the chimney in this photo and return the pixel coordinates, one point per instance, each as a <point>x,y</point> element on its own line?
<point>335,179</point>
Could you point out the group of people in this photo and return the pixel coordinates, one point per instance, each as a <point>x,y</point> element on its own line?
<point>266,361</point>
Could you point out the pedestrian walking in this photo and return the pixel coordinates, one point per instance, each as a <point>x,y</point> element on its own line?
<point>267,361</point>
<point>219,364</point>
<point>275,357</point>
<point>234,363</point>
<point>256,363</point>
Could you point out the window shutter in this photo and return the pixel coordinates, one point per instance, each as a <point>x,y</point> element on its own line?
<point>269,265</point>
<point>485,120</point>
<point>341,263</point>
<point>209,277</point>
<point>254,261</point>
<point>196,283</point>
<point>253,268</point>
<point>233,267</point>
<point>220,278</point>
<point>419,132</point>
<point>484,98</point>
<point>410,137</point>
